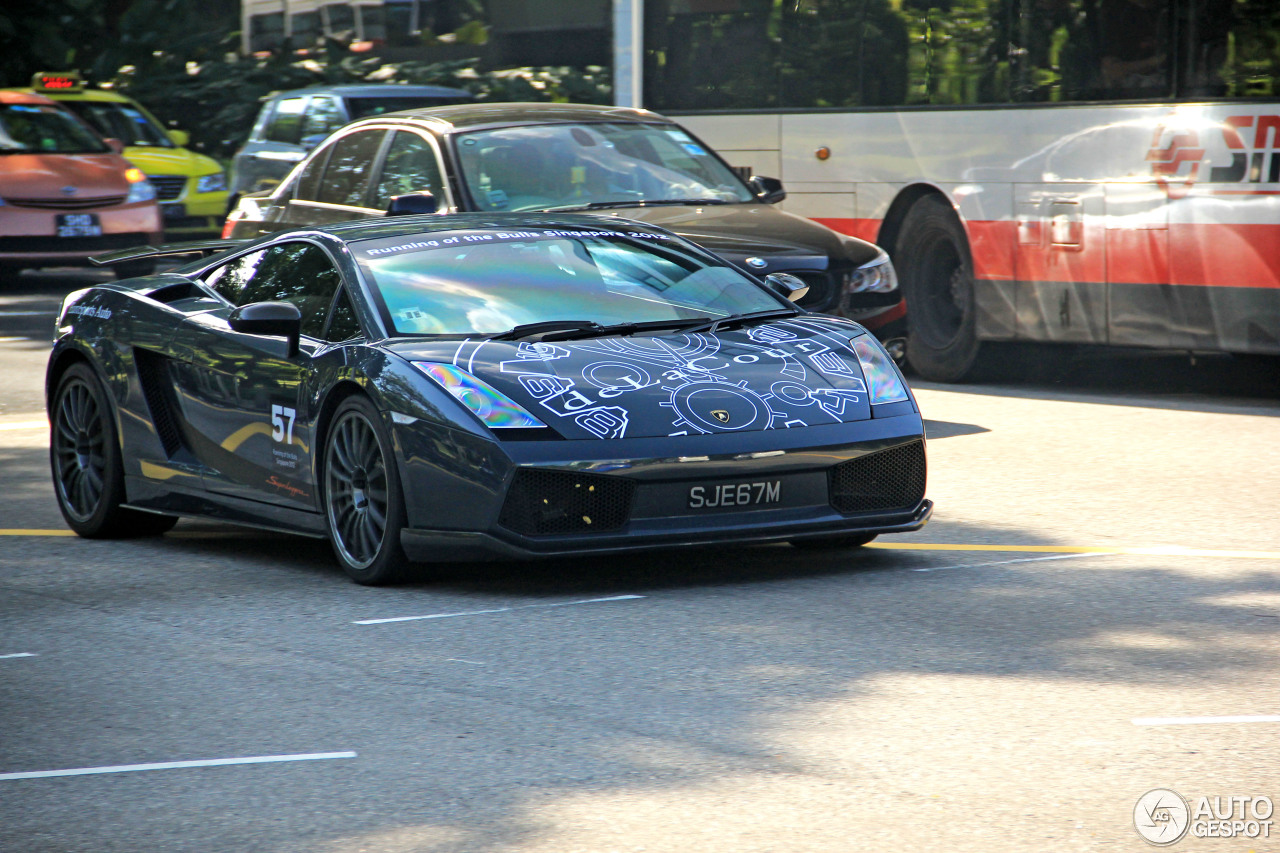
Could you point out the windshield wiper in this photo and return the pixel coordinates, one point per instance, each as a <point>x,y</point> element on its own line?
<point>528,330</point>
<point>714,326</point>
<point>627,329</point>
<point>605,205</point>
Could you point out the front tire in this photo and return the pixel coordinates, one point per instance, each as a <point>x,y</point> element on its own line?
<point>936,271</point>
<point>84,453</point>
<point>363,502</point>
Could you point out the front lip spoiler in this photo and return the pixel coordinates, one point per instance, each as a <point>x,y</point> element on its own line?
<point>446,546</point>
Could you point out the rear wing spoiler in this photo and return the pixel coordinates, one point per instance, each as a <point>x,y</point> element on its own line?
<point>203,248</point>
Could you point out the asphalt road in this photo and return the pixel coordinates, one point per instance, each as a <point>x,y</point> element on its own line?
<point>1096,601</point>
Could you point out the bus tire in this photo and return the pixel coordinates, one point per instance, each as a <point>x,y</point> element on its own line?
<point>936,271</point>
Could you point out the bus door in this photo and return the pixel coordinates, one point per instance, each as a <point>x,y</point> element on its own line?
<point>1060,262</point>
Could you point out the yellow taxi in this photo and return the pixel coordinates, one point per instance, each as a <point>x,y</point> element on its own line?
<point>191,188</point>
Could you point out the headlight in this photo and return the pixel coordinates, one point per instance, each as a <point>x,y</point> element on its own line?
<point>495,409</point>
<point>140,188</point>
<point>214,183</point>
<point>877,367</point>
<point>876,276</point>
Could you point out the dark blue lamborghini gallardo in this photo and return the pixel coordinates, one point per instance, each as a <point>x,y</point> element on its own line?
<point>432,388</point>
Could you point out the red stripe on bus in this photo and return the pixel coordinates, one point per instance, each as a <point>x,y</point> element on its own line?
<point>1212,255</point>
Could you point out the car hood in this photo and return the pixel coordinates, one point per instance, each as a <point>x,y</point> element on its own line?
<point>170,161</point>
<point>781,374</point>
<point>47,175</point>
<point>739,231</point>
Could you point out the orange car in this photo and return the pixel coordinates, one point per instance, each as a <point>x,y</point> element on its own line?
<point>65,192</point>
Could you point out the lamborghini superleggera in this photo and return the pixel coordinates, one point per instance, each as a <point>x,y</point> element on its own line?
<point>471,386</point>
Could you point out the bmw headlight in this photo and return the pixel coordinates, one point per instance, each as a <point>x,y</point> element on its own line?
<point>495,409</point>
<point>882,377</point>
<point>875,276</point>
<point>140,189</point>
<point>215,183</point>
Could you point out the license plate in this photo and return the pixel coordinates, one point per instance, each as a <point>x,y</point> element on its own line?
<point>78,225</point>
<point>735,494</point>
<point>173,211</point>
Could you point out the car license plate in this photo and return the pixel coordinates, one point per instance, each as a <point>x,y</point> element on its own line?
<point>735,494</point>
<point>78,225</point>
<point>173,211</point>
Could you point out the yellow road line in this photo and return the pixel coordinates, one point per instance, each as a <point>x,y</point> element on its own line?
<point>20,425</point>
<point>15,532</point>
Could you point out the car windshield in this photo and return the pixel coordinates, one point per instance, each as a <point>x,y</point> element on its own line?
<point>45,129</point>
<point>122,121</point>
<point>564,165</point>
<point>489,281</point>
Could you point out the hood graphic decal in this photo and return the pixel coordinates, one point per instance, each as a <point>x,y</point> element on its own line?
<point>781,374</point>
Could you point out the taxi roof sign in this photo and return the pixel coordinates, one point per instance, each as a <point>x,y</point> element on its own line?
<point>60,81</point>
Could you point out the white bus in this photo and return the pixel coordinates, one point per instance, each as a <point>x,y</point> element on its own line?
<point>1083,171</point>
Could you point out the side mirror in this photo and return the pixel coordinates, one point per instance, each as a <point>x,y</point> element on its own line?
<point>179,138</point>
<point>278,319</point>
<point>768,190</point>
<point>785,284</point>
<point>310,142</point>
<point>411,203</point>
<point>114,144</point>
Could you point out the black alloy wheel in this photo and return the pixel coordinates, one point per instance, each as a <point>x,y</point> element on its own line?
<point>84,454</point>
<point>936,271</point>
<point>363,502</point>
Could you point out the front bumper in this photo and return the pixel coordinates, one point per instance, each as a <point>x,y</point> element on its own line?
<point>544,499</point>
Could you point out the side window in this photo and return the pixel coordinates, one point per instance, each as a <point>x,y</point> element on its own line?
<point>346,176</point>
<point>323,117</point>
<point>286,122</point>
<point>230,279</point>
<point>343,325</point>
<point>410,166</point>
<point>307,187</point>
<point>301,273</point>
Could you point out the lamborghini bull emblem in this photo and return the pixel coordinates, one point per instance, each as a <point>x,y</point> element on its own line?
<point>721,415</point>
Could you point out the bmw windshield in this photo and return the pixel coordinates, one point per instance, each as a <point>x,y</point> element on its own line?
<point>566,166</point>
<point>494,282</point>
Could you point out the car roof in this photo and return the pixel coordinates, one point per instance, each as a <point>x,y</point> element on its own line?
<point>96,95</point>
<point>385,90</point>
<point>481,115</point>
<point>17,97</point>
<point>406,226</point>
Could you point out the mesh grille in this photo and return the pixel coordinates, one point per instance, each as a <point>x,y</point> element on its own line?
<point>890,479</point>
<point>168,187</point>
<point>66,203</point>
<point>153,373</point>
<point>542,502</point>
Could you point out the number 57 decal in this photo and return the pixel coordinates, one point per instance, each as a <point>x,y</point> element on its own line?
<point>282,418</point>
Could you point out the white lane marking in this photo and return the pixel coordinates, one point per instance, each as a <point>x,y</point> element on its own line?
<point>461,660</point>
<point>174,765</point>
<point>495,610</point>
<point>18,655</point>
<point>1008,562</point>
<point>25,425</point>
<point>1204,721</point>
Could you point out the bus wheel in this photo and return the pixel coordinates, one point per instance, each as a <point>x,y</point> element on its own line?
<point>937,280</point>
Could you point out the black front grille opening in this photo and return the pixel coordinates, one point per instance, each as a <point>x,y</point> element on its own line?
<point>823,290</point>
<point>168,187</point>
<point>541,503</point>
<point>888,480</point>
